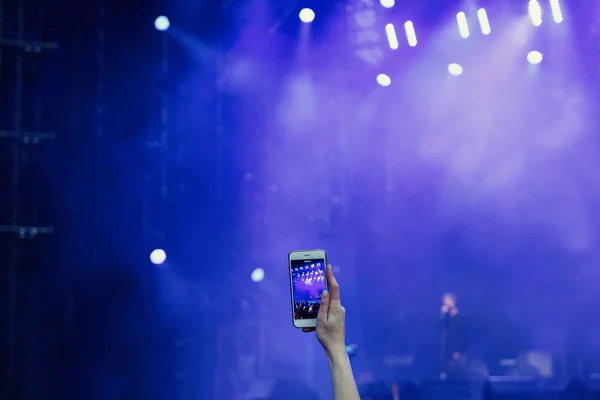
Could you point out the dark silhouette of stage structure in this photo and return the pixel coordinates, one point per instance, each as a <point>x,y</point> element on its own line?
<point>493,389</point>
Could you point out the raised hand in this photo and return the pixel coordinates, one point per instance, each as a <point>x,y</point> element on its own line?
<point>331,319</point>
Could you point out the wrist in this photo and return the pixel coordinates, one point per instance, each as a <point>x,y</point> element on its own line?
<point>337,355</point>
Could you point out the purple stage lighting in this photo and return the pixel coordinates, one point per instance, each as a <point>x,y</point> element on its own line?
<point>158,256</point>
<point>307,15</point>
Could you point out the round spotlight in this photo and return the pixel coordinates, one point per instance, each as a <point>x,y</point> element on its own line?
<point>388,3</point>
<point>162,23</point>
<point>158,256</point>
<point>535,57</point>
<point>307,15</point>
<point>384,80</point>
<point>257,275</point>
<point>455,69</point>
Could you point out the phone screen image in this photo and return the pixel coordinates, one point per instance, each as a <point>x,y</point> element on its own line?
<point>308,283</point>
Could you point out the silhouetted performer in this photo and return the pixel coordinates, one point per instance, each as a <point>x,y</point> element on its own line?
<point>453,362</point>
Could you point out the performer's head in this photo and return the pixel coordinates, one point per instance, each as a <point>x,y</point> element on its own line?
<point>449,300</point>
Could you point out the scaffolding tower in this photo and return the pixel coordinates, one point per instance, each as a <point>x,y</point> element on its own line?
<point>22,141</point>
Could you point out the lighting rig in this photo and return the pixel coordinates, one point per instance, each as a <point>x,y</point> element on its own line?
<point>22,138</point>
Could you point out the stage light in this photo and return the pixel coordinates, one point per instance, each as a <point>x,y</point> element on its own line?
<point>257,275</point>
<point>158,256</point>
<point>307,15</point>
<point>384,80</point>
<point>534,57</point>
<point>535,12</point>
<point>484,22</point>
<point>388,3</point>
<point>556,11</point>
<point>162,23</point>
<point>390,32</point>
<point>411,35</point>
<point>463,25</point>
<point>455,69</point>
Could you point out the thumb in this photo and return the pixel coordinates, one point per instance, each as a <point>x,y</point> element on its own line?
<point>324,308</point>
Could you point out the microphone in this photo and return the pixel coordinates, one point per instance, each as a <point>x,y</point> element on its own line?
<point>444,311</point>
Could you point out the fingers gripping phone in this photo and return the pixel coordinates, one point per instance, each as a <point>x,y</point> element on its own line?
<point>307,282</point>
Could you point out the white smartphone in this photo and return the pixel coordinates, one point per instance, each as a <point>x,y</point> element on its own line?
<point>307,282</point>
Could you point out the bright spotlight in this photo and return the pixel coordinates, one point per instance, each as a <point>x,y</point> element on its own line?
<point>384,80</point>
<point>307,15</point>
<point>158,256</point>
<point>411,35</point>
<point>257,275</point>
<point>535,12</point>
<point>484,22</point>
<point>455,69</point>
<point>463,24</point>
<point>162,23</point>
<point>534,57</point>
<point>556,12</point>
<point>388,3</point>
<point>390,32</point>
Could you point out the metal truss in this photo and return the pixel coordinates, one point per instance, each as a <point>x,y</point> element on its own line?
<point>22,50</point>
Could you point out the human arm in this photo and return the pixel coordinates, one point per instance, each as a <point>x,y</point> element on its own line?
<point>331,335</point>
<point>342,378</point>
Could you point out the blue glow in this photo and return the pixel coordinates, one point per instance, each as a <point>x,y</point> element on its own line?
<point>258,275</point>
<point>158,256</point>
<point>307,15</point>
<point>162,23</point>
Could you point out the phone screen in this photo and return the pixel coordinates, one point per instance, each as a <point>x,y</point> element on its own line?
<point>308,282</point>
